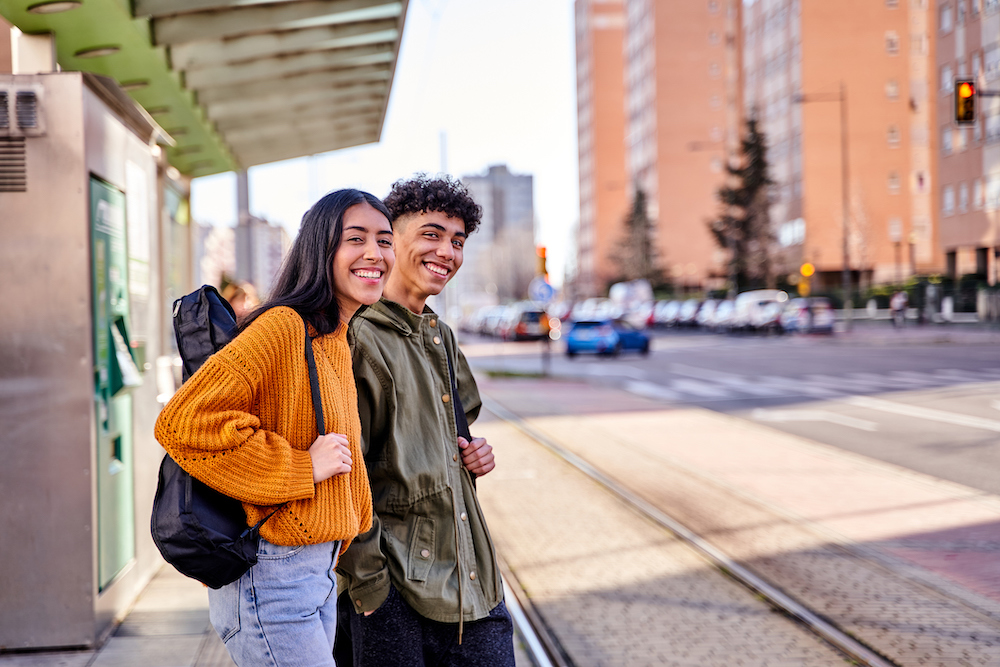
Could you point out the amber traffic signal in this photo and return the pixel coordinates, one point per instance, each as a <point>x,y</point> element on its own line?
<point>965,102</point>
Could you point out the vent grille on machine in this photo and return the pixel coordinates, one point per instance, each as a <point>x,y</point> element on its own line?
<point>13,165</point>
<point>4,111</point>
<point>27,110</point>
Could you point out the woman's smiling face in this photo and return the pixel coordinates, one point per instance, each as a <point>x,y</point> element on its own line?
<point>363,260</point>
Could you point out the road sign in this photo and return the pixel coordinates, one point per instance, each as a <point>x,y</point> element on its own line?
<point>540,290</point>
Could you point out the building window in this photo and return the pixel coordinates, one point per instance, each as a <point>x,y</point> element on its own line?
<point>961,12</point>
<point>963,197</point>
<point>892,4</point>
<point>714,70</point>
<point>713,7</point>
<point>974,7</point>
<point>990,5</point>
<point>947,78</point>
<point>991,61</point>
<point>945,19</point>
<point>946,141</point>
<point>893,183</point>
<point>892,134</point>
<point>948,201</point>
<point>892,89</point>
<point>992,196</point>
<point>713,37</point>
<point>892,42</point>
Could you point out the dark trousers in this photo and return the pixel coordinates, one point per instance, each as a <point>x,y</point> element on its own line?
<point>397,635</point>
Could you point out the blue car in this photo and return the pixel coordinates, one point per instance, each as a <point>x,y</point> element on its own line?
<point>608,337</point>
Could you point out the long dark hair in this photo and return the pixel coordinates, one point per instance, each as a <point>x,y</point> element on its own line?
<point>305,281</point>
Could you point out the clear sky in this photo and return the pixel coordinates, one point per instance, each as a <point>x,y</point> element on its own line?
<point>497,79</point>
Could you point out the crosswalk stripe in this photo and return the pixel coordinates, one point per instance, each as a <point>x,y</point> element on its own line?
<point>840,383</point>
<point>700,388</point>
<point>651,390</point>
<point>794,387</point>
<point>721,385</point>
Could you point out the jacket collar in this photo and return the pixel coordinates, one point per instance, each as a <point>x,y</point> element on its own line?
<point>391,314</point>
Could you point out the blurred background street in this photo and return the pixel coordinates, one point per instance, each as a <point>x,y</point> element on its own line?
<point>734,303</point>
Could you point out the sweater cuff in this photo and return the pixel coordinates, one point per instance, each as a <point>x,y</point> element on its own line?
<point>300,482</point>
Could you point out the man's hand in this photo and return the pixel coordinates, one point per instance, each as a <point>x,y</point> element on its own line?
<point>477,456</point>
<point>330,456</point>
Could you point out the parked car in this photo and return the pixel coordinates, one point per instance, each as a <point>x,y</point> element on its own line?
<point>758,310</point>
<point>524,321</point>
<point>808,315</point>
<point>665,313</point>
<point>687,316</point>
<point>722,318</point>
<point>609,337</point>
<point>706,313</point>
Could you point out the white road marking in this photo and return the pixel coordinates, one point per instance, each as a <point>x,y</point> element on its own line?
<point>812,416</point>
<point>930,414</point>
<point>699,388</point>
<point>740,383</point>
<point>650,390</point>
<point>604,370</point>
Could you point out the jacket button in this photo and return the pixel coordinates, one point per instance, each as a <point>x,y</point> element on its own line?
<point>425,553</point>
<point>437,340</point>
<point>445,398</point>
<point>358,602</point>
<point>464,516</point>
<point>433,323</point>
<point>472,575</point>
<point>454,457</point>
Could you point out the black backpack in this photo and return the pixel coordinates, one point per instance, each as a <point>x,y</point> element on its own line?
<point>201,532</point>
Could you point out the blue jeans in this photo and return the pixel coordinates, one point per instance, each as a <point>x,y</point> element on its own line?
<point>283,611</point>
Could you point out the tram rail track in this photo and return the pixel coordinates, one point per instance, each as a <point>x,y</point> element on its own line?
<point>547,650</point>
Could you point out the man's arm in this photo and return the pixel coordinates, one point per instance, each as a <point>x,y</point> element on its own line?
<point>363,565</point>
<point>477,454</point>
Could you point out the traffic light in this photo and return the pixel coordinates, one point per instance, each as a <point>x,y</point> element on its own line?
<point>540,267</point>
<point>965,102</point>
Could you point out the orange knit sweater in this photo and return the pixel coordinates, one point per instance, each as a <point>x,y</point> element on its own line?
<point>243,424</point>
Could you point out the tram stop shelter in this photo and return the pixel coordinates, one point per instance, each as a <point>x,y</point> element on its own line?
<point>108,109</point>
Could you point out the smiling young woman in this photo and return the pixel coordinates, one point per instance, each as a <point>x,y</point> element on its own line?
<point>244,425</point>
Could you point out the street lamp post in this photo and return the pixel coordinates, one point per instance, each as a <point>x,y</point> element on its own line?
<point>841,97</point>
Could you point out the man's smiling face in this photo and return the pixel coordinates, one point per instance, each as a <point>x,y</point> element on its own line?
<point>428,253</point>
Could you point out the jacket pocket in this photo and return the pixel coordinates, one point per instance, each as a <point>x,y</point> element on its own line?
<point>421,555</point>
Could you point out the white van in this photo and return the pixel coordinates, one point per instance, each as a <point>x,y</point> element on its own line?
<point>758,309</point>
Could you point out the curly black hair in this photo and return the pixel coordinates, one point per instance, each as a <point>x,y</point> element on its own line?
<point>423,194</point>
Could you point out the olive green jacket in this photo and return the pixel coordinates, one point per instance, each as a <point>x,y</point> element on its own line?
<point>429,537</point>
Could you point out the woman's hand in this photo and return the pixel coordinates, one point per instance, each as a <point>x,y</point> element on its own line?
<point>331,456</point>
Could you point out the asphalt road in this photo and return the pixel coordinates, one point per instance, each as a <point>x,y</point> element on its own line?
<point>933,408</point>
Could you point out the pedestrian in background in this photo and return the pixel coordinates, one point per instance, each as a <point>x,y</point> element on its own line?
<point>897,308</point>
<point>244,425</point>
<point>423,584</point>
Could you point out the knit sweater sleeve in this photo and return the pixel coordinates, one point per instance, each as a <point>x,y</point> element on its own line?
<point>212,427</point>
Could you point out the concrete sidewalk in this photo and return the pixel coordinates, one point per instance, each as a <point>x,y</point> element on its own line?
<point>906,563</point>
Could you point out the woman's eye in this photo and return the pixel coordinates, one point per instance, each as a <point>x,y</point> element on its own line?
<point>385,243</point>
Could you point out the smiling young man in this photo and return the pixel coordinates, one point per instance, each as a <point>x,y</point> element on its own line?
<point>423,582</point>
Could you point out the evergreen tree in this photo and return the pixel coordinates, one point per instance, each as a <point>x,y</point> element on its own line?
<point>744,226</point>
<point>635,255</point>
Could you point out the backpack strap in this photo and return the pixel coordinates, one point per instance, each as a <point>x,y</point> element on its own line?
<point>317,408</point>
<point>314,383</point>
